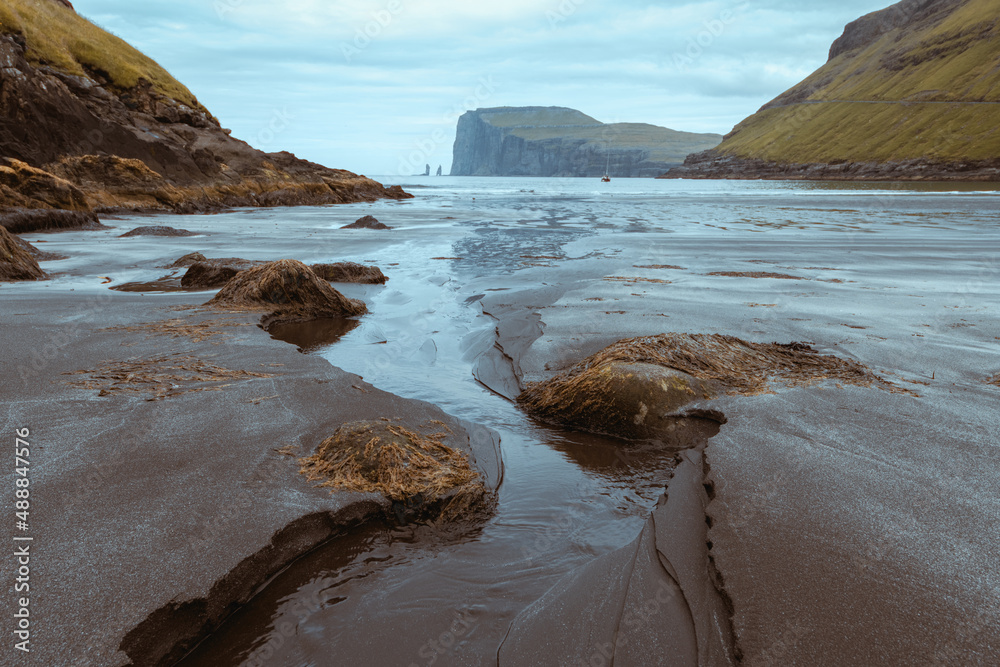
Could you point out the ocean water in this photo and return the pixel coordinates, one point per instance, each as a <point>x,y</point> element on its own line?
<point>869,261</point>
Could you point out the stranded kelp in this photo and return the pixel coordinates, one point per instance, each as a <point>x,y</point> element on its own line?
<point>404,465</point>
<point>16,260</point>
<point>289,291</point>
<point>636,387</point>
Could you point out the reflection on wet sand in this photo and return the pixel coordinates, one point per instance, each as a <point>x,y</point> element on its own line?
<point>314,335</point>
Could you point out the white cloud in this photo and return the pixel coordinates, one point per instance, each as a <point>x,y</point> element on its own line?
<point>422,61</point>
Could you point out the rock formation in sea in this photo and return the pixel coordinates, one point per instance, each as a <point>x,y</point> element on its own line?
<point>89,123</point>
<point>556,141</point>
<point>908,93</point>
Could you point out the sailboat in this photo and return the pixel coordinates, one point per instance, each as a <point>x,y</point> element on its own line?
<point>607,170</point>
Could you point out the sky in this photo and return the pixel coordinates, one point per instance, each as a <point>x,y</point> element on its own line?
<point>377,86</point>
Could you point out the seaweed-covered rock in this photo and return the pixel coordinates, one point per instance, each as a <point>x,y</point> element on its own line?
<point>635,388</point>
<point>28,220</point>
<point>188,260</point>
<point>289,290</point>
<point>213,273</point>
<point>350,272</point>
<point>16,262</point>
<point>156,230</point>
<point>367,222</point>
<point>24,186</point>
<point>407,467</point>
<point>628,400</point>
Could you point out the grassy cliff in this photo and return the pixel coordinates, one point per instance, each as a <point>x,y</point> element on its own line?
<point>58,37</point>
<point>919,81</point>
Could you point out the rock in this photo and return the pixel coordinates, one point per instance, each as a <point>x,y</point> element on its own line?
<point>189,259</point>
<point>367,222</point>
<point>627,400</point>
<point>16,261</point>
<point>350,272</point>
<point>26,221</point>
<point>415,471</point>
<point>118,145</point>
<point>636,388</point>
<point>214,273</point>
<point>24,186</point>
<point>555,141</point>
<point>289,291</point>
<point>156,231</point>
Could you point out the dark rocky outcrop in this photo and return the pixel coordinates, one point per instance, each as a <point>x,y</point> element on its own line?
<point>289,291</point>
<point>214,273</point>
<point>188,260</point>
<point>350,272</point>
<point>714,165</point>
<point>367,222</point>
<point>157,230</point>
<point>35,220</point>
<point>16,261</point>
<point>555,141</point>
<point>123,135</point>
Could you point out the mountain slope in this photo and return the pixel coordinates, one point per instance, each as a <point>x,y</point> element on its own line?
<point>96,115</point>
<point>910,92</point>
<point>556,141</point>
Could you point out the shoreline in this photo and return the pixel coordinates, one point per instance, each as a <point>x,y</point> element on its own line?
<point>715,165</point>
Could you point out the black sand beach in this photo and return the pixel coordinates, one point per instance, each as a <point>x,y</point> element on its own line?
<point>827,512</point>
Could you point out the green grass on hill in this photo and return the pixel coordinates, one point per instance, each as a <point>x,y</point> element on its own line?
<point>953,59</point>
<point>663,144</point>
<point>512,116</point>
<point>57,36</point>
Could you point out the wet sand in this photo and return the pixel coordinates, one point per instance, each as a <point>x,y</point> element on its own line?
<point>835,512</point>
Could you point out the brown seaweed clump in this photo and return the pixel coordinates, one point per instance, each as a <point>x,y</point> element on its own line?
<point>995,380</point>
<point>350,272</point>
<point>755,274</point>
<point>398,462</point>
<point>16,260</point>
<point>635,387</point>
<point>289,290</point>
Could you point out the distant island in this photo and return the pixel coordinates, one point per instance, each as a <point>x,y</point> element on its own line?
<point>557,141</point>
<point>909,93</point>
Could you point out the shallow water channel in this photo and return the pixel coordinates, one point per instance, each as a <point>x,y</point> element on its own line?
<point>382,594</point>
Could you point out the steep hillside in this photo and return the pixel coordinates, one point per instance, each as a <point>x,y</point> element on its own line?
<point>82,110</point>
<point>555,141</point>
<point>910,92</point>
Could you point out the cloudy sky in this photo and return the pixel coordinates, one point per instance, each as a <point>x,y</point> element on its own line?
<point>376,86</point>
